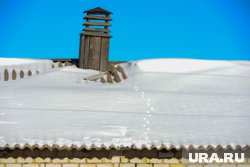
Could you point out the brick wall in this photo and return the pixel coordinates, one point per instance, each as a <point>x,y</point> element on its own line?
<point>104,162</point>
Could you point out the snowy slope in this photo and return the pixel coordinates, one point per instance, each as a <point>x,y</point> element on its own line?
<point>165,102</point>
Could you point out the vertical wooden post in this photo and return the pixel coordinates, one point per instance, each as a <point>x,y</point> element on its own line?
<point>6,75</point>
<point>13,74</point>
<point>21,74</point>
<point>94,40</point>
<point>29,73</point>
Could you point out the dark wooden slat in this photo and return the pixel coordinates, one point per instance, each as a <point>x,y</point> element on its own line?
<point>97,34</point>
<point>81,50</point>
<point>90,47</point>
<point>93,17</point>
<point>104,54</point>
<point>95,53</point>
<point>96,29</point>
<point>97,23</point>
<point>86,58</point>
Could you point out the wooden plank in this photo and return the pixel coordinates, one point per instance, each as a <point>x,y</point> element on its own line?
<point>104,54</point>
<point>97,34</point>
<point>91,52</point>
<point>121,70</point>
<point>109,78</point>
<point>116,77</point>
<point>95,77</point>
<point>115,74</point>
<point>97,23</point>
<point>96,29</point>
<point>112,69</point>
<point>81,51</point>
<point>96,53</point>
<point>93,17</point>
<point>86,56</point>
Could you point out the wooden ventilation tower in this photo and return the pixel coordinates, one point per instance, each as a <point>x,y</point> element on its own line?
<point>94,40</point>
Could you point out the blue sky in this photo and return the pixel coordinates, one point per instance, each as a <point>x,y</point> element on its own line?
<point>204,29</point>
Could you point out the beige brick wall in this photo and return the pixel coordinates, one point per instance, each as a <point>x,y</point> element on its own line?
<point>104,162</point>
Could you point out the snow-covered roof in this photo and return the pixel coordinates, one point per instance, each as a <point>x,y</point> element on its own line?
<point>165,103</point>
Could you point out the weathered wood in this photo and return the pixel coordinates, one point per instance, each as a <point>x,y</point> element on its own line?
<point>97,24</point>
<point>95,34</point>
<point>21,74</point>
<point>60,64</point>
<point>109,78</point>
<point>112,68</point>
<point>94,41</point>
<point>81,51</point>
<point>116,77</point>
<point>67,63</point>
<point>29,73</point>
<point>103,80</point>
<point>91,51</point>
<point>86,48</point>
<point>94,17</point>
<point>97,53</point>
<point>94,53</point>
<point>95,77</point>
<point>116,62</point>
<point>96,29</point>
<point>14,74</point>
<point>6,75</point>
<point>104,54</point>
<point>98,10</point>
<point>121,70</point>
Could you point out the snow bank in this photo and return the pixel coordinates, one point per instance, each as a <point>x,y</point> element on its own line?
<point>180,65</point>
<point>25,65</point>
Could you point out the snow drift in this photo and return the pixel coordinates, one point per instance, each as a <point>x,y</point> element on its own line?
<point>25,65</point>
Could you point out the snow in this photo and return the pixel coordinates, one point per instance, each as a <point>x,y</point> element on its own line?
<point>180,65</point>
<point>34,65</point>
<point>169,102</point>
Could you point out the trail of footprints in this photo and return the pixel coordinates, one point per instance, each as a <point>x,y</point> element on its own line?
<point>147,118</point>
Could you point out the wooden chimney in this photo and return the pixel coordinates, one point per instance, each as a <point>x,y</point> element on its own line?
<point>94,40</point>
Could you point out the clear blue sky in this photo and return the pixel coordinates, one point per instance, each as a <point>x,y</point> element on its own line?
<point>205,29</point>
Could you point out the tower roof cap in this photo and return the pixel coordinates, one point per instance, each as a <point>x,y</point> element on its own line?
<point>97,10</point>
